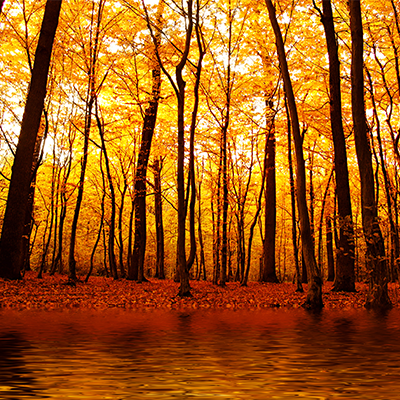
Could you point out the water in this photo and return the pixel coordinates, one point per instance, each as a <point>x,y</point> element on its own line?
<point>266,354</point>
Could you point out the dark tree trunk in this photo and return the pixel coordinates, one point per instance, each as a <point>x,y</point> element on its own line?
<point>192,175</point>
<point>378,296</point>
<point>269,271</point>
<point>90,99</point>
<point>149,123</point>
<point>184,288</point>
<point>299,276</point>
<point>111,232</point>
<point>329,250</point>
<point>202,266</point>
<point>120,233</point>
<point>245,276</point>
<point>314,293</point>
<point>217,230</point>
<point>321,223</point>
<point>157,166</point>
<point>14,219</point>
<point>103,198</point>
<point>345,277</point>
<point>394,236</point>
<point>29,217</point>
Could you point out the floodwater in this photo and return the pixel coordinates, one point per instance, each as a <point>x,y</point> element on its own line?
<point>266,354</point>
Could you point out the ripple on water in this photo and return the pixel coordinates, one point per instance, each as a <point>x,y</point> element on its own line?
<point>266,354</point>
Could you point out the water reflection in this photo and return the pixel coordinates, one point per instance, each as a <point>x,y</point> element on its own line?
<point>121,354</point>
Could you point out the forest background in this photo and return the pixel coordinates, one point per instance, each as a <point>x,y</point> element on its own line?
<point>158,113</point>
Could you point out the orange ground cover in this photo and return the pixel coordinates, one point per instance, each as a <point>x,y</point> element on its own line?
<point>53,292</point>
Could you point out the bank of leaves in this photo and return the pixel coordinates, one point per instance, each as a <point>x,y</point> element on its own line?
<point>52,292</point>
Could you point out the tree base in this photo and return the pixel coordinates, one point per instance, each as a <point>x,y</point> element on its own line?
<point>378,299</point>
<point>314,295</point>
<point>300,289</point>
<point>344,285</point>
<point>270,279</point>
<point>184,292</point>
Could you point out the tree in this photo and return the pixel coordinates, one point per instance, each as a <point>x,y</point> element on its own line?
<point>91,71</point>
<point>314,293</point>
<point>157,167</point>
<point>136,270</point>
<point>14,218</point>
<point>269,272</point>
<point>344,277</point>
<point>378,296</point>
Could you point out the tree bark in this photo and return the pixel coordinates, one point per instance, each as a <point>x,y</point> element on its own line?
<point>378,297</point>
<point>344,277</point>
<point>299,276</point>
<point>14,218</point>
<point>111,232</point>
<point>157,166</point>
<point>329,250</point>
<point>269,271</point>
<point>314,293</point>
<point>136,270</point>
<point>90,98</point>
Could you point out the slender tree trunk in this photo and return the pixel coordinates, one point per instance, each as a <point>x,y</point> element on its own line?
<point>202,266</point>
<point>29,217</point>
<point>111,232</point>
<point>157,166</point>
<point>149,123</point>
<point>103,198</point>
<point>217,232</point>
<point>314,293</point>
<point>321,222</point>
<point>192,175</point>
<point>14,218</point>
<point>293,206</point>
<point>378,296</point>
<point>329,250</point>
<point>120,233</point>
<point>345,277</point>
<point>394,236</point>
<point>90,99</point>
<point>269,270</point>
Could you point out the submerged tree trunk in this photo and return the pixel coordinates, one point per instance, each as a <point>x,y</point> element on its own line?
<point>14,217</point>
<point>314,293</point>
<point>378,296</point>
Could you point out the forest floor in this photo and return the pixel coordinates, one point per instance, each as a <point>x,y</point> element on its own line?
<point>54,292</point>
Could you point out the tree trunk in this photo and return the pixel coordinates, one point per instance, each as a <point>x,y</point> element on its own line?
<point>14,219</point>
<point>329,250</point>
<point>157,166</point>
<point>376,259</point>
<point>314,293</point>
<point>111,233</point>
<point>269,271</point>
<point>202,266</point>
<point>299,276</point>
<point>90,99</point>
<point>345,277</point>
<point>149,123</point>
